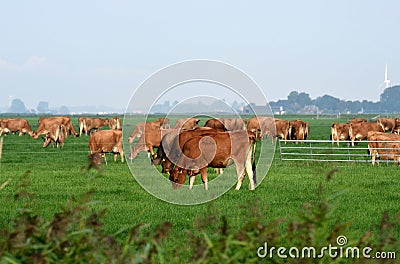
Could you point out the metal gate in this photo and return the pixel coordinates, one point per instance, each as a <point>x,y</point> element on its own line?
<point>324,150</point>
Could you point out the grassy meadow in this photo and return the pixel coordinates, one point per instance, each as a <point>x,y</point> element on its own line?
<point>358,194</point>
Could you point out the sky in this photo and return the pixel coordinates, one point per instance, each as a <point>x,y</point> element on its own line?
<point>98,52</point>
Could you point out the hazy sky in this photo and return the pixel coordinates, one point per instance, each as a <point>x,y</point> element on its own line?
<point>98,52</point>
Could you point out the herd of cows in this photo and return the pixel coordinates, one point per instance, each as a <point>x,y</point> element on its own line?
<point>187,149</point>
<point>383,136</point>
<point>217,144</point>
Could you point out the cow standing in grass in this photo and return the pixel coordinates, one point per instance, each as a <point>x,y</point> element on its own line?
<point>218,150</point>
<point>359,131</point>
<point>339,132</point>
<point>383,145</point>
<point>105,141</point>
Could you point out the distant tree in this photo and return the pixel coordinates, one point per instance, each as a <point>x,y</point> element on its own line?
<point>43,107</point>
<point>297,101</point>
<point>63,110</point>
<point>328,103</point>
<point>390,99</point>
<point>17,106</point>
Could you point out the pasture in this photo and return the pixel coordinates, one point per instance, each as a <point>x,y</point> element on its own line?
<point>358,193</point>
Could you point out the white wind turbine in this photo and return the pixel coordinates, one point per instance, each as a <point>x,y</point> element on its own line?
<point>386,81</point>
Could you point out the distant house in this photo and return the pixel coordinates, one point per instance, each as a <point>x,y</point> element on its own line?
<point>256,109</point>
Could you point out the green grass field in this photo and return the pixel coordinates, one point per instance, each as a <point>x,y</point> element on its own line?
<point>359,194</point>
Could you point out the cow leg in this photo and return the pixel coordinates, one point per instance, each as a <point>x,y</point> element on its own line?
<point>204,177</point>
<point>191,181</point>
<point>115,157</point>
<point>249,170</point>
<point>121,152</point>
<point>240,180</point>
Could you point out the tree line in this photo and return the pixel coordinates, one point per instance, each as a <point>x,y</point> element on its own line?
<point>301,103</point>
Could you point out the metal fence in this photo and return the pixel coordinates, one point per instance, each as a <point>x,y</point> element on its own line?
<point>325,151</point>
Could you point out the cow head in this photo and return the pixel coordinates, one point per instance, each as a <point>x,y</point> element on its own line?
<point>95,158</point>
<point>177,177</point>
<point>46,141</point>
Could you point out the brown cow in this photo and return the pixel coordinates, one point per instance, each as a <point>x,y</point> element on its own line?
<point>358,120</point>
<point>388,124</point>
<point>140,127</point>
<point>55,136</point>
<point>283,129</point>
<point>95,124</point>
<point>115,123</point>
<point>105,141</point>
<point>87,124</point>
<point>299,130</point>
<point>262,126</point>
<point>171,145</point>
<point>214,123</point>
<point>45,124</point>
<point>186,123</point>
<point>228,124</point>
<point>359,131</point>
<point>339,132</point>
<point>382,145</point>
<point>13,125</point>
<point>217,150</point>
<point>396,128</point>
<point>164,123</point>
<point>149,140</point>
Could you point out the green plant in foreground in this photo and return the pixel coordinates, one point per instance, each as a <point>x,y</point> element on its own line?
<point>314,226</point>
<point>75,236</point>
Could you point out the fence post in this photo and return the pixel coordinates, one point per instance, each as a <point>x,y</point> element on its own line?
<point>280,149</point>
<point>311,154</point>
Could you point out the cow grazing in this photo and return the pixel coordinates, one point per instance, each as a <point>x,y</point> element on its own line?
<point>140,127</point>
<point>186,123</point>
<point>149,140</point>
<point>45,124</point>
<point>388,124</point>
<point>105,141</point>
<point>14,125</point>
<point>359,131</point>
<point>171,145</point>
<point>217,150</point>
<point>383,145</point>
<point>339,132</point>
<point>283,129</point>
<point>56,136</point>
<point>262,126</point>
